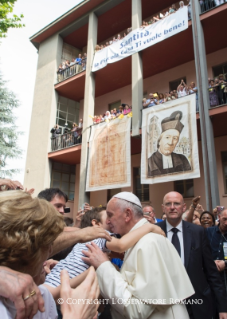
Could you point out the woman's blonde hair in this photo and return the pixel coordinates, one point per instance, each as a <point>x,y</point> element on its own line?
<point>27,227</point>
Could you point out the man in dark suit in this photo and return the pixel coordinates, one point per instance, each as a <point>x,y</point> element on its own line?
<point>164,160</point>
<point>193,247</point>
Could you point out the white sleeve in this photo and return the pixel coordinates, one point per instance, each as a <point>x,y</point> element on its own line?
<point>115,288</point>
<point>6,314</point>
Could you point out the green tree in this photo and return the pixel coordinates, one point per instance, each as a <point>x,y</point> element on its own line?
<point>8,131</point>
<point>6,22</point>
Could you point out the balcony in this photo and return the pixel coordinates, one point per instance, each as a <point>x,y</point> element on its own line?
<point>66,148</point>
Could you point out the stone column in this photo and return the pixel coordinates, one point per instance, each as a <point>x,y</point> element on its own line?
<point>208,149</point>
<point>89,105</point>
<point>43,118</point>
<point>137,72</point>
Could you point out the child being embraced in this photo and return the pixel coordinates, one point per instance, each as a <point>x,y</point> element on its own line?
<point>74,264</point>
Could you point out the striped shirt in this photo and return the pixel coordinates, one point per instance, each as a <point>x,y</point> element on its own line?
<point>73,262</point>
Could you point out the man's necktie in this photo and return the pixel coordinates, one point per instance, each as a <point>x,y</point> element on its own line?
<point>175,240</point>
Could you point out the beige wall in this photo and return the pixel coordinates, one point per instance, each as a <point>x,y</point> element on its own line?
<point>38,168</point>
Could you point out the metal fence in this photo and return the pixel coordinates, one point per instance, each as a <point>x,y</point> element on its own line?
<point>70,71</point>
<point>62,141</point>
<point>207,5</point>
<point>218,95</point>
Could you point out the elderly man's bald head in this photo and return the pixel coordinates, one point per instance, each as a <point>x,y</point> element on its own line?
<point>173,194</point>
<point>174,207</point>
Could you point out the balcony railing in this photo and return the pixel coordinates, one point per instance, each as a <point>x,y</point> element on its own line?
<point>218,95</point>
<point>207,5</point>
<point>70,71</point>
<point>67,140</point>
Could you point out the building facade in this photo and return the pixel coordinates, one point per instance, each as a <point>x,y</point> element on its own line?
<point>196,54</point>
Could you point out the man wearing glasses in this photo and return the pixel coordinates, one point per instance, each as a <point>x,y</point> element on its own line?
<point>192,244</point>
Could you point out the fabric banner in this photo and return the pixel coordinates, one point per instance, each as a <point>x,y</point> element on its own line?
<point>169,142</point>
<point>142,38</point>
<point>109,164</point>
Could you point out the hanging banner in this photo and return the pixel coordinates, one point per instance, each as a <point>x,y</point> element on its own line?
<point>109,163</point>
<point>142,38</point>
<point>169,142</point>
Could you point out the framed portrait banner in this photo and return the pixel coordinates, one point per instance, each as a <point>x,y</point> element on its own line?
<point>169,142</point>
<point>109,162</point>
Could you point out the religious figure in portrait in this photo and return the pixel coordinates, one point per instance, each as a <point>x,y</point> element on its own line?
<point>165,160</point>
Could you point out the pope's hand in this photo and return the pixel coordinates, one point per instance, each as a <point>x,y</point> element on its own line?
<point>94,256</point>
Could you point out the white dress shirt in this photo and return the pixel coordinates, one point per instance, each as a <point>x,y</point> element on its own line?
<point>167,161</point>
<point>179,234</point>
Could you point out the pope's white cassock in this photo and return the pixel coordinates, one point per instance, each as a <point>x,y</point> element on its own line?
<point>151,280</point>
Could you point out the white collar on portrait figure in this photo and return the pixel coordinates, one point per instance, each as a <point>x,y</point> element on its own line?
<point>167,161</point>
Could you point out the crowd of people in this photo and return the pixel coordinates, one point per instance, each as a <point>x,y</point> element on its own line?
<point>162,15</point>
<point>217,93</point>
<point>181,91</point>
<point>185,267</point>
<point>217,90</point>
<point>68,137</point>
<point>123,109</point>
<point>67,68</point>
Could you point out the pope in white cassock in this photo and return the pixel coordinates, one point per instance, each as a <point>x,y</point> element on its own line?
<point>152,280</point>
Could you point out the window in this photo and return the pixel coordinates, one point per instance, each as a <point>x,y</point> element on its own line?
<point>144,95</point>
<point>174,84</point>
<point>224,165</point>
<point>112,192</point>
<point>63,177</point>
<point>220,69</point>
<point>66,114</point>
<point>185,187</point>
<point>140,190</point>
<point>114,105</point>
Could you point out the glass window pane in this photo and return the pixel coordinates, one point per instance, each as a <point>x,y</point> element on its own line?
<point>62,115</point>
<point>224,156</point>
<point>189,188</point>
<point>61,122</point>
<point>65,177</point>
<point>72,187</point>
<point>71,109</point>
<point>66,168</point>
<point>71,117</point>
<point>65,186</point>
<point>57,176</point>
<point>57,165</point>
<point>225,170</point>
<point>72,178</point>
<point>63,107</point>
<point>217,70</point>
<point>225,69</point>
<point>56,184</point>
<point>71,195</point>
<point>179,187</point>
<point>141,190</point>
<point>112,192</point>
